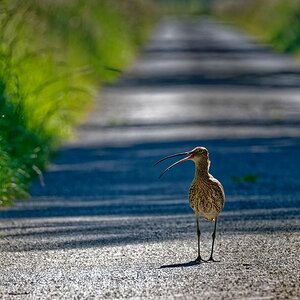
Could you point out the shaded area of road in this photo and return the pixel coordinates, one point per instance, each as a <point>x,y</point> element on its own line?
<point>104,224</point>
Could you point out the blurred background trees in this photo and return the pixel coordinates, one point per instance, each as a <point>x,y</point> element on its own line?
<point>272,21</point>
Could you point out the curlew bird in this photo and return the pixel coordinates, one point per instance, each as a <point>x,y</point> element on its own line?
<point>206,194</point>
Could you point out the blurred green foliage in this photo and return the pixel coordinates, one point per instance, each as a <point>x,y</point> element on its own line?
<point>274,21</point>
<point>53,54</point>
<point>184,7</point>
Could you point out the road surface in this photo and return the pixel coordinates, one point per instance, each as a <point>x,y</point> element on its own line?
<point>105,227</point>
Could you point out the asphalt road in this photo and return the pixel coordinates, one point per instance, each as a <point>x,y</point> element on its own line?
<point>105,227</point>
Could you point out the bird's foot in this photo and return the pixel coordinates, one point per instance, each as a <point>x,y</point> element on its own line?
<point>199,260</point>
<point>211,259</point>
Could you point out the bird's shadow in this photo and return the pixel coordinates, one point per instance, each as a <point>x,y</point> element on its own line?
<point>182,265</point>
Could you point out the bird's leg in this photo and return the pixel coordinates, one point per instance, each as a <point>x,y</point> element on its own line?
<point>198,259</point>
<point>213,243</point>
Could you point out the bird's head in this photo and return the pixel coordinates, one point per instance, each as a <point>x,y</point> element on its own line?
<point>198,155</point>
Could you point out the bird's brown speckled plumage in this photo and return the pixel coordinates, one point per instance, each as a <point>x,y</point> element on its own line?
<point>206,194</point>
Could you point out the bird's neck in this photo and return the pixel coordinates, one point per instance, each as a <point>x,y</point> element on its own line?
<point>202,169</point>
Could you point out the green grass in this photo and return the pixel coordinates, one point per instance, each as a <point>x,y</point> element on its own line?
<point>53,56</point>
<point>276,22</point>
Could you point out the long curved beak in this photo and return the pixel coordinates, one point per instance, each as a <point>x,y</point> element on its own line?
<point>170,156</point>
<point>190,156</point>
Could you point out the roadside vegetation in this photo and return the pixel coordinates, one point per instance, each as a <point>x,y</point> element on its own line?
<point>276,22</point>
<point>183,7</point>
<point>53,56</point>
